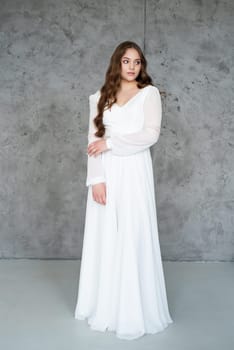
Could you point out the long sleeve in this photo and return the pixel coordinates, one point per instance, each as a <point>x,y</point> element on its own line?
<point>124,145</point>
<point>95,171</point>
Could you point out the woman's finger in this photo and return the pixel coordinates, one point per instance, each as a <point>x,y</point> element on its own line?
<point>104,197</point>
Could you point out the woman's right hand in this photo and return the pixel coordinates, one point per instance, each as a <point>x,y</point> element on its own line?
<point>99,193</point>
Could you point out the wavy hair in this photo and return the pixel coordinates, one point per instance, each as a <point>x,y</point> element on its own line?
<point>113,82</point>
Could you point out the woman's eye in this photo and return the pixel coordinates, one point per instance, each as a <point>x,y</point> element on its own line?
<point>126,61</point>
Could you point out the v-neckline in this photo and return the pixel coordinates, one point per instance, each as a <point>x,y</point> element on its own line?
<point>130,98</point>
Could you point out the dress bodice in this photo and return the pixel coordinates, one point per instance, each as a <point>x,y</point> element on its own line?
<point>127,118</point>
<point>129,129</point>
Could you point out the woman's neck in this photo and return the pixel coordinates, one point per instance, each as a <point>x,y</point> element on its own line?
<point>127,85</point>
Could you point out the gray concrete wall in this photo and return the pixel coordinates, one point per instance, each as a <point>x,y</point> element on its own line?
<point>53,55</point>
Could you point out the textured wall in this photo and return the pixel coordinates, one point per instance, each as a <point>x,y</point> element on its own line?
<point>189,45</point>
<point>53,55</point>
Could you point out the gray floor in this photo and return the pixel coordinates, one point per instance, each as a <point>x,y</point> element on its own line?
<point>37,301</point>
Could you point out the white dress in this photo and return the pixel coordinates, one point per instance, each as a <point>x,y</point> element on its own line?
<point>121,285</point>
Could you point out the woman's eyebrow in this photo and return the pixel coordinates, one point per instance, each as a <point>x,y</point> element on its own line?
<point>129,58</point>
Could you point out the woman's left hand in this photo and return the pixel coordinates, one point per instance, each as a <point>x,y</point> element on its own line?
<point>97,147</point>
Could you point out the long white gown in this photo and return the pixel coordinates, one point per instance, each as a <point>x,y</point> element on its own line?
<point>121,285</point>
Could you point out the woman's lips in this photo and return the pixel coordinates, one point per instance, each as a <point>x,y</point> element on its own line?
<point>131,73</point>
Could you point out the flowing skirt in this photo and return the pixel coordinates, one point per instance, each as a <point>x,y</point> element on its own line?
<point>121,286</point>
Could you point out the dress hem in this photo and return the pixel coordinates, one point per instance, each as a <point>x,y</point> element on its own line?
<point>118,335</point>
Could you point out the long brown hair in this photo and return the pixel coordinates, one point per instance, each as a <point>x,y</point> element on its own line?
<point>113,81</point>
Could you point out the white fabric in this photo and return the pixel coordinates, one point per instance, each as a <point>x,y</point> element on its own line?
<point>95,171</point>
<point>121,285</point>
<point>135,142</point>
<point>126,144</point>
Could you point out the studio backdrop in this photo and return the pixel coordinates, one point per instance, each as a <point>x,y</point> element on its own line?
<point>53,55</point>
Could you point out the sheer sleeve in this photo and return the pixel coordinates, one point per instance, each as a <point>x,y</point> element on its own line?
<point>124,145</point>
<point>95,171</point>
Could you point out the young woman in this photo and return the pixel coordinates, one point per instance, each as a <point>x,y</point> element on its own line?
<point>121,286</point>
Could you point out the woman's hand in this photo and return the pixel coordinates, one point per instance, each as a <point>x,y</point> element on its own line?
<point>99,192</point>
<point>97,147</point>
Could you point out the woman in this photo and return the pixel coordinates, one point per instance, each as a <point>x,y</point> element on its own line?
<point>122,287</point>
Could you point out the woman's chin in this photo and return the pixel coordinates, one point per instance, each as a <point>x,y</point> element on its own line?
<point>129,78</point>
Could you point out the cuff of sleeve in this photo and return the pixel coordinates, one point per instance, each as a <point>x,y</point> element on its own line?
<point>108,143</point>
<point>94,181</point>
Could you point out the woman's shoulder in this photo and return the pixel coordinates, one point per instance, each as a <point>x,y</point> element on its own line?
<point>152,88</point>
<point>95,96</point>
<point>152,92</point>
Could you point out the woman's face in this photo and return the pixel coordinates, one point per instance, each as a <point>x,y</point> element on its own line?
<point>130,65</point>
